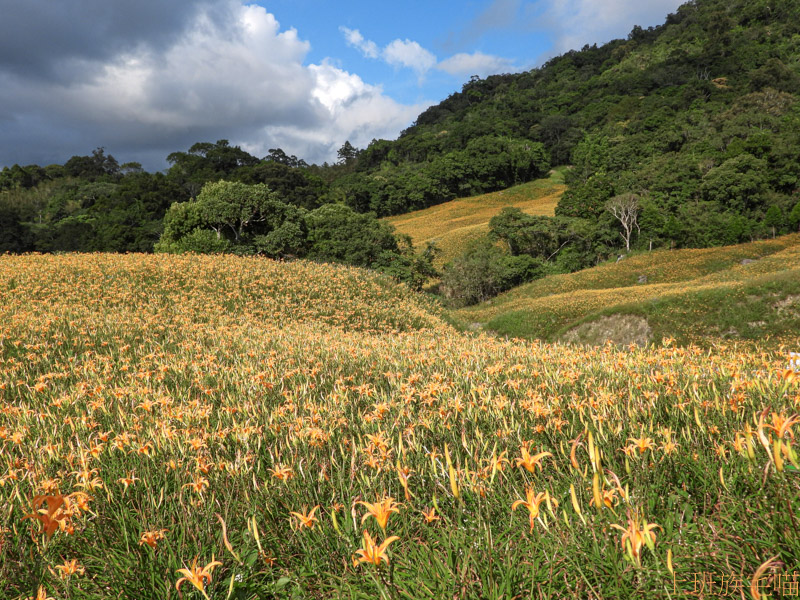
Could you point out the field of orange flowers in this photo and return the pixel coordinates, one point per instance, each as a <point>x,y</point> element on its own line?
<point>223,427</point>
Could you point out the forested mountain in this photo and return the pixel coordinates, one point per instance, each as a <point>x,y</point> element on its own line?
<point>692,127</point>
<point>698,116</point>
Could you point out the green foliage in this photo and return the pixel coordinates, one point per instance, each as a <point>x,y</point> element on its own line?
<point>774,219</point>
<point>207,162</point>
<point>233,207</point>
<point>292,184</point>
<point>794,217</point>
<point>587,200</point>
<point>411,267</point>
<point>93,167</point>
<point>338,233</point>
<point>736,184</point>
<point>242,218</point>
<point>546,238</point>
<point>287,239</point>
<point>201,241</point>
<point>14,236</point>
<point>484,271</point>
<point>486,163</point>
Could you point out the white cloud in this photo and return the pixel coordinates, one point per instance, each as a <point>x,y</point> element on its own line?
<point>405,53</point>
<point>354,111</point>
<point>354,38</point>
<point>399,53</point>
<point>239,78</point>
<point>579,22</point>
<point>476,63</point>
<point>410,54</point>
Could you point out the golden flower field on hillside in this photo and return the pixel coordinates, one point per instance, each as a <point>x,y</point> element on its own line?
<point>454,225</point>
<point>681,280</point>
<point>224,427</point>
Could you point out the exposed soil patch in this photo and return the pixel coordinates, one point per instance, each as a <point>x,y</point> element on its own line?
<point>621,330</point>
<point>790,305</point>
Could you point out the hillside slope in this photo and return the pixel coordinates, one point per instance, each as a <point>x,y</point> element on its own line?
<point>748,292</point>
<point>217,291</point>
<point>698,117</point>
<point>453,225</point>
<point>164,415</point>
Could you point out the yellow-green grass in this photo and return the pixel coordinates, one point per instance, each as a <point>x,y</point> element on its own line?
<point>692,295</point>
<point>454,225</point>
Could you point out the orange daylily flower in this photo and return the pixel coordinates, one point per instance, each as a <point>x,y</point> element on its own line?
<point>56,516</point>
<point>636,535</point>
<point>782,426</point>
<point>532,503</point>
<point>69,568</point>
<point>381,510</point>
<point>608,497</point>
<point>372,552</point>
<point>199,485</point>
<point>306,520</point>
<point>282,472</point>
<point>403,473</point>
<point>41,594</point>
<point>197,576</point>
<point>531,462</point>
<point>498,462</point>
<point>430,515</point>
<point>641,444</point>
<point>151,538</point>
<point>128,480</point>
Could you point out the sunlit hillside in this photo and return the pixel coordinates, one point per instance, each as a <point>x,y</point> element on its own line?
<point>750,292</point>
<point>221,427</point>
<point>452,226</point>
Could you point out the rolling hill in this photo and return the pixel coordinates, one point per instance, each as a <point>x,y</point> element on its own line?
<point>315,431</point>
<point>453,225</point>
<point>744,292</point>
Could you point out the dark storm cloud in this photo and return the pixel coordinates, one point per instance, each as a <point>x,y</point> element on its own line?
<point>45,38</point>
<point>144,79</point>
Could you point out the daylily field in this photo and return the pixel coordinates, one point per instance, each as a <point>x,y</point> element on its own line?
<point>223,427</point>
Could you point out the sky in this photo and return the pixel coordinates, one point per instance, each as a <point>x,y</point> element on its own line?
<point>144,79</point>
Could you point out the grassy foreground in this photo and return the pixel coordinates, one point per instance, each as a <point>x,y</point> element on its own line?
<point>454,225</point>
<point>240,428</point>
<point>691,295</point>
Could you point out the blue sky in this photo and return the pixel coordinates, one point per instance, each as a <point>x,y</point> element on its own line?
<point>148,78</point>
<point>441,28</point>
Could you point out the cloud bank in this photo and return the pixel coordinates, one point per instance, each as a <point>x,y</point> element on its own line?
<point>147,79</point>
<point>410,54</point>
<point>575,23</point>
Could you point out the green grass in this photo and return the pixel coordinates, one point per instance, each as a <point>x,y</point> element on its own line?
<point>694,296</point>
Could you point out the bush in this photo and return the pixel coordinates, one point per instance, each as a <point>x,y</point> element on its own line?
<point>407,266</point>
<point>485,271</point>
<point>201,241</point>
<point>338,233</point>
<point>794,217</point>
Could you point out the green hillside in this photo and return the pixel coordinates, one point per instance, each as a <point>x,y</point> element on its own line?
<point>745,292</point>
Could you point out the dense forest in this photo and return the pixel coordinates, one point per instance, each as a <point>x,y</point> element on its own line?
<point>682,135</point>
